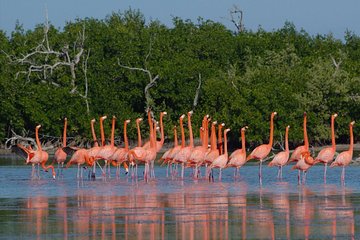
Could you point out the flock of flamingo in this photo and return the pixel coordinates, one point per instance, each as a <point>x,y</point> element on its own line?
<point>211,156</point>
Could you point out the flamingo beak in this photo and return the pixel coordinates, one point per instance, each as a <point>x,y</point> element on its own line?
<point>335,115</point>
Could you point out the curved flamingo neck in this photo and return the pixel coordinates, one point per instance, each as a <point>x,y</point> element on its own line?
<point>93,134</point>
<point>125,136</point>
<point>306,140</point>
<point>191,144</point>
<point>243,149</point>
<point>333,144</point>
<point>64,133</point>
<point>287,139</point>
<point>139,133</point>
<point>271,138</point>
<point>112,132</point>
<point>225,143</point>
<point>37,139</point>
<point>102,132</point>
<point>175,137</point>
<point>351,147</point>
<point>213,137</point>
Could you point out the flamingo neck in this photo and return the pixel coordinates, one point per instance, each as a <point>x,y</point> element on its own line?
<point>271,138</point>
<point>125,136</point>
<point>306,140</point>
<point>243,149</point>
<point>112,132</point>
<point>191,144</point>
<point>64,133</point>
<point>182,133</point>
<point>225,143</point>
<point>351,147</point>
<point>162,129</point>
<point>151,126</point>
<point>206,133</point>
<point>175,138</point>
<point>333,144</point>
<point>47,167</point>
<point>220,139</point>
<point>139,134</point>
<point>37,139</point>
<point>102,132</point>
<point>213,137</point>
<point>287,140</point>
<point>93,134</point>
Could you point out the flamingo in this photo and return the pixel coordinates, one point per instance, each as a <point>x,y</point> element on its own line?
<point>306,161</point>
<point>327,154</point>
<point>165,156</point>
<point>160,143</point>
<point>296,155</point>
<point>198,153</point>
<point>79,157</point>
<point>120,155</point>
<point>238,158</point>
<point>263,150</point>
<point>220,143</point>
<point>344,158</point>
<point>107,151</point>
<point>221,161</point>
<point>281,158</point>
<point>184,154</point>
<point>93,152</point>
<point>60,155</point>
<point>38,156</point>
<point>176,150</point>
<point>146,155</point>
<point>214,152</point>
<point>138,149</point>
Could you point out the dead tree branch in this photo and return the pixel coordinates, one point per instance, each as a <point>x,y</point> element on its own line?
<point>236,17</point>
<point>196,98</point>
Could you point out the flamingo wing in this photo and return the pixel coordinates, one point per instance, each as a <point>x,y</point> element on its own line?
<point>21,151</point>
<point>70,150</point>
<point>326,155</point>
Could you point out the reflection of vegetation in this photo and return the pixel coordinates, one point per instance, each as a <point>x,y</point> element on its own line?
<point>245,76</point>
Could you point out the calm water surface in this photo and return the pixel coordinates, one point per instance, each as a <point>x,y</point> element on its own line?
<point>179,209</point>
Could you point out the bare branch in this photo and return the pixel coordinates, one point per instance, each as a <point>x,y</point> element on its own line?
<point>236,17</point>
<point>196,98</point>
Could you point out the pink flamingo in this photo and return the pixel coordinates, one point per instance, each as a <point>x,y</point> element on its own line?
<point>166,155</point>
<point>184,154</point>
<point>327,154</point>
<point>93,152</point>
<point>38,156</point>
<point>306,161</point>
<point>221,161</point>
<point>214,152</point>
<point>107,151</point>
<point>281,158</point>
<point>121,154</point>
<point>198,153</point>
<point>139,150</point>
<point>296,155</point>
<point>263,150</point>
<point>146,155</point>
<point>238,158</point>
<point>160,143</point>
<point>60,155</point>
<point>176,150</point>
<point>79,157</point>
<point>344,158</point>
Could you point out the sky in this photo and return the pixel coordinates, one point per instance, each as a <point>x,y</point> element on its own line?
<point>314,16</point>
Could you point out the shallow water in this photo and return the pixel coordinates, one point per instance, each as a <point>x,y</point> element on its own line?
<point>168,208</point>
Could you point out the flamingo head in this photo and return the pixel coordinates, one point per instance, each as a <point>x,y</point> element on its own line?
<point>226,130</point>
<point>304,114</point>
<point>273,114</point>
<point>163,113</point>
<point>103,118</point>
<point>190,113</point>
<point>174,127</point>
<point>214,123</point>
<point>182,116</point>
<point>222,124</point>
<point>93,120</point>
<point>38,126</point>
<point>54,175</point>
<point>127,121</point>
<point>138,120</point>
<point>288,126</point>
<point>334,115</point>
<point>244,128</point>
<point>352,123</point>
<point>65,119</point>
<point>114,117</point>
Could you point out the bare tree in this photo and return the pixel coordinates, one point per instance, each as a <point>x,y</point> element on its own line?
<point>152,80</point>
<point>197,93</point>
<point>236,17</point>
<point>43,60</point>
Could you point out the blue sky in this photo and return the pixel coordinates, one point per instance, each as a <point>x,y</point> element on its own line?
<point>314,16</point>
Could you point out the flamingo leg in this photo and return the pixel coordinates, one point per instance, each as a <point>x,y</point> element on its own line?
<point>299,183</point>
<point>78,172</point>
<point>220,175</point>
<point>281,172</point>
<point>343,176</point>
<point>182,170</point>
<point>278,174</point>
<point>325,169</point>
<point>260,173</point>
<point>304,177</point>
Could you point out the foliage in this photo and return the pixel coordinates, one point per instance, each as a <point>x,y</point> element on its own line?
<point>244,77</point>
